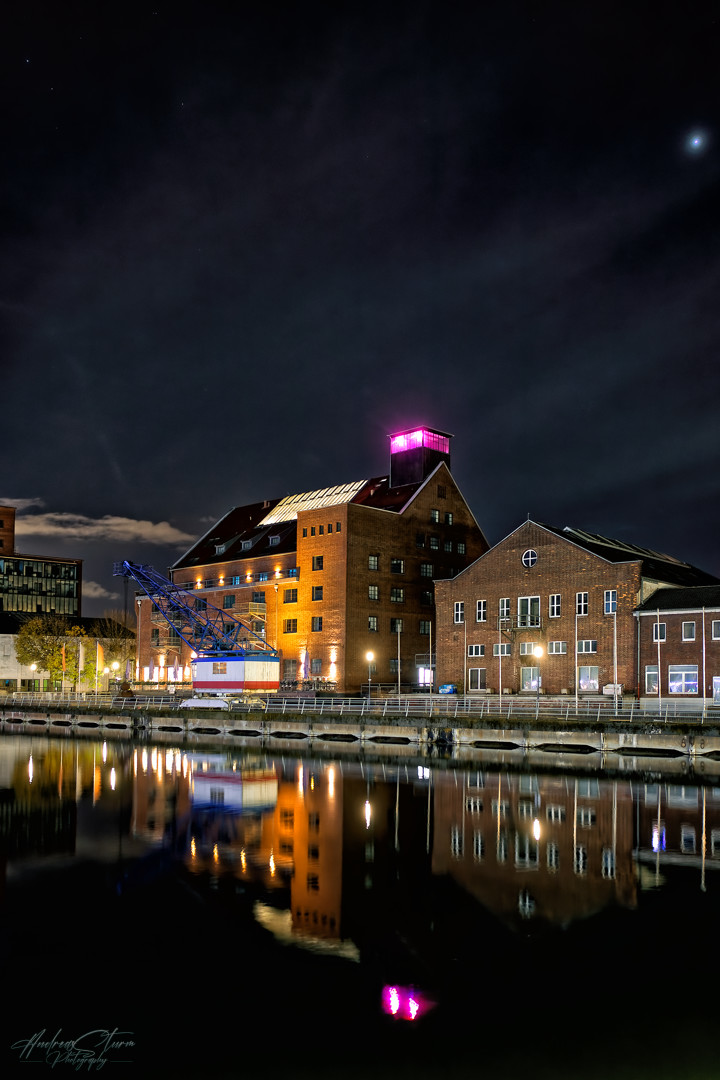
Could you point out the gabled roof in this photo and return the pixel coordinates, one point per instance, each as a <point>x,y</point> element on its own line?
<point>654,564</point>
<point>246,531</point>
<point>703,596</point>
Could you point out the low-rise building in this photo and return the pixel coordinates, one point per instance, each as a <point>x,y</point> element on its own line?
<point>551,610</point>
<point>679,643</point>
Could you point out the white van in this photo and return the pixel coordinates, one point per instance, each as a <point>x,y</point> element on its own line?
<point>204,703</point>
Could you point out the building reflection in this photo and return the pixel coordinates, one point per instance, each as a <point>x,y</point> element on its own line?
<point>338,851</point>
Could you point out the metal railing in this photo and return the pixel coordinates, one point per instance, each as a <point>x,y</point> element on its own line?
<point>453,707</point>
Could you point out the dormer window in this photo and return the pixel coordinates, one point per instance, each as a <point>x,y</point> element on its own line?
<point>246,545</point>
<point>273,540</point>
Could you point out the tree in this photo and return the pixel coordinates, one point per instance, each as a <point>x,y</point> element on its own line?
<point>117,638</point>
<point>55,646</point>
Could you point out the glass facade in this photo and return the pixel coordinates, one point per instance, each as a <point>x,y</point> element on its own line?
<point>39,586</point>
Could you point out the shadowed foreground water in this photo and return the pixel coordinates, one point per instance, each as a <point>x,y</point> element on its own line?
<point>112,920</point>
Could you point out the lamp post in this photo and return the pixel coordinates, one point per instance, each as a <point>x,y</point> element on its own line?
<point>537,653</point>
<point>369,656</point>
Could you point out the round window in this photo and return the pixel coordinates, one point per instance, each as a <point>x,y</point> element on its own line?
<point>529,557</point>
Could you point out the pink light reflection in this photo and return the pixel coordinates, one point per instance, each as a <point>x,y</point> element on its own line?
<point>404,1003</point>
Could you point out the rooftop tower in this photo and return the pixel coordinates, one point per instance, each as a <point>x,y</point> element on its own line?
<point>415,452</point>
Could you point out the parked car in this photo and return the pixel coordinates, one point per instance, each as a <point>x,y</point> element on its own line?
<point>249,702</point>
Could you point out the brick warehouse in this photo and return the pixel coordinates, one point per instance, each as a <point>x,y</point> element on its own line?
<point>569,593</point>
<point>330,575</point>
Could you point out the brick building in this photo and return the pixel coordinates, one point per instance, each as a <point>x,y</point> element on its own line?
<point>679,637</point>
<point>328,576</point>
<point>550,610</point>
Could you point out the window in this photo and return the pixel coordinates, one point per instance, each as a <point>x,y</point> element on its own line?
<point>426,597</point>
<point>397,566</point>
<point>317,592</point>
<point>264,575</point>
<point>304,534</point>
<point>585,817</point>
<point>258,597</point>
<point>607,863</point>
<point>683,679</point>
<point>555,813</point>
<point>316,623</point>
<point>321,530</point>
<point>553,858</point>
<point>200,604</point>
<point>529,557</point>
<point>554,609</point>
<point>527,648</point>
<point>420,540</point>
<point>435,516</point>
<point>651,679</point>
<point>530,678</point>
<point>478,846</point>
<point>581,603</point>
<point>229,601</point>
<point>330,527</point>
<point>290,626</point>
<point>426,569</point>
<point>448,518</point>
<point>290,674</point>
<point>317,563</point>
<point>372,623</point>
<point>373,592</point>
<point>456,842</point>
<point>476,650</point>
<point>155,636</point>
<point>396,626</point>
<point>338,526</point>
<point>425,627</point>
<point>481,611</point>
<point>461,547</point>
<point>688,631</point>
<point>290,596</point>
<point>434,543</point>
<point>219,667</point>
<point>501,649</point>
<point>716,629</point>
<point>459,612</point>
<point>373,562</point>
<point>528,611</point>
<point>659,631</point>
<point>476,678</point>
<point>589,678</point>
<point>397,595</point>
<point>580,860</point>
<point>587,646</point>
<point>610,601</point>
<point>557,647</point>
<point>316,667</point>
<point>447,545</point>
<point>504,607</point>
<point>312,530</point>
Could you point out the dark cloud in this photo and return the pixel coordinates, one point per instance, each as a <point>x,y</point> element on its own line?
<point>243,243</point>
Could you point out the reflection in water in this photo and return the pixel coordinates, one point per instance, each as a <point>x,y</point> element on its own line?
<point>442,886</point>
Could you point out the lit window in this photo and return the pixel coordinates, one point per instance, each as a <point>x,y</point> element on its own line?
<point>373,562</point>
<point>589,679</point>
<point>426,569</point>
<point>397,566</point>
<point>683,679</point>
<point>373,592</point>
<point>372,623</point>
<point>397,595</point>
<point>396,626</point>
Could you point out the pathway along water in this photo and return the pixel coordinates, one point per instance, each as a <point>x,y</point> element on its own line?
<point>241,913</point>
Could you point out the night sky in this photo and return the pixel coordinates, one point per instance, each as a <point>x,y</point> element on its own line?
<point>242,243</point>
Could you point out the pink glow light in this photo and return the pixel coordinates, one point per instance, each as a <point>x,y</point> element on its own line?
<point>404,1003</point>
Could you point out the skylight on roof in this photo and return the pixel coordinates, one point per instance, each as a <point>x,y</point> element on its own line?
<point>289,507</point>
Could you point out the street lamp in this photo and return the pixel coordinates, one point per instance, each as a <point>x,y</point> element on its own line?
<point>537,653</point>
<point>369,656</point>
